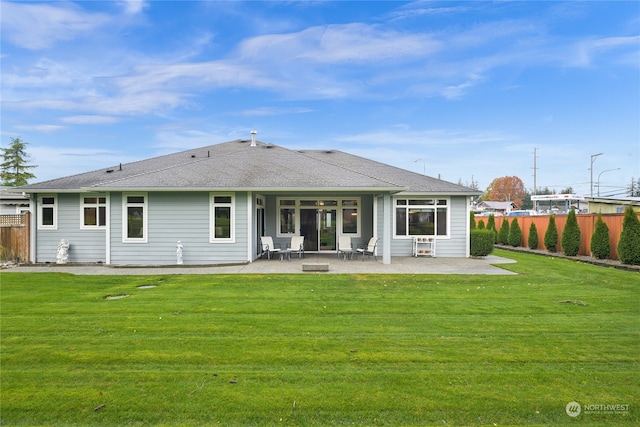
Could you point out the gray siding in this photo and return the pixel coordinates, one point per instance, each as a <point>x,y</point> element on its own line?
<point>454,246</point>
<point>174,216</point>
<point>85,246</point>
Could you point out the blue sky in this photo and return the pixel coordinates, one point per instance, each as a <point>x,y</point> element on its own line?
<point>460,90</point>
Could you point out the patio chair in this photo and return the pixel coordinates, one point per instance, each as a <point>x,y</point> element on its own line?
<point>268,247</point>
<point>297,245</point>
<point>344,247</point>
<point>369,249</point>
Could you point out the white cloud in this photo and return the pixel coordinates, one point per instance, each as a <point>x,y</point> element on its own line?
<point>334,44</point>
<point>89,120</point>
<point>41,128</point>
<point>133,7</point>
<point>40,25</point>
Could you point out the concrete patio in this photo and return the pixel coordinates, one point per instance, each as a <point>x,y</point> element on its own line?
<point>399,265</point>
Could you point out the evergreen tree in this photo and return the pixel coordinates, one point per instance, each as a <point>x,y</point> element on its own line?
<point>629,244</point>
<point>600,245</point>
<point>515,233</point>
<point>532,241</point>
<point>481,225</point>
<point>571,235</point>
<point>633,190</point>
<point>491,225</point>
<point>472,220</point>
<point>551,235</point>
<point>14,170</point>
<point>503,234</point>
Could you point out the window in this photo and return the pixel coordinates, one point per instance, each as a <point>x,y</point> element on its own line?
<point>135,215</point>
<point>421,217</point>
<point>94,212</point>
<point>287,210</point>
<point>349,208</point>
<point>222,218</point>
<point>48,218</point>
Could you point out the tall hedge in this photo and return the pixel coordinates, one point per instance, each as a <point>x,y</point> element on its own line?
<point>551,235</point>
<point>515,233</point>
<point>472,220</point>
<point>481,242</point>
<point>571,235</point>
<point>629,244</point>
<point>491,225</point>
<point>532,240</point>
<point>503,234</point>
<point>600,245</point>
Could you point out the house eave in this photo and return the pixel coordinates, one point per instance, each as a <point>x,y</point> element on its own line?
<point>243,189</point>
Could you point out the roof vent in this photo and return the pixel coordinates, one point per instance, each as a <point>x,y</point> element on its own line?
<point>253,138</point>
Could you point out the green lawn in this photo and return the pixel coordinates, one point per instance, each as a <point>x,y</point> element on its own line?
<point>322,349</point>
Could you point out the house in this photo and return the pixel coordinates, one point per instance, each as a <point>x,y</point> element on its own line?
<point>612,204</point>
<point>13,203</point>
<point>496,207</point>
<point>217,201</point>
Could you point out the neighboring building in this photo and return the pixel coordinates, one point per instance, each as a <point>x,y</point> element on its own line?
<point>13,203</point>
<point>503,208</point>
<point>612,204</point>
<point>218,200</point>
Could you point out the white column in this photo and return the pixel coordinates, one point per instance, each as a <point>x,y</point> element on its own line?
<point>387,218</point>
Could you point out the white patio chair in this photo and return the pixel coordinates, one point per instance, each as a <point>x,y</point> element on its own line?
<point>369,249</point>
<point>297,245</point>
<point>344,247</point>
<point>268,247</point>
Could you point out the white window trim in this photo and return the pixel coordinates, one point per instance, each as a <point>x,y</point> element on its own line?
<point>97,205</point>
<point>212,206</point>
<point>41,226</point>
<point>338,207</point>
<point>145,219</point>
<point>435,207</point>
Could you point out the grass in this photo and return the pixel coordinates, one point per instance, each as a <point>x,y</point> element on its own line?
<point>321,349</point>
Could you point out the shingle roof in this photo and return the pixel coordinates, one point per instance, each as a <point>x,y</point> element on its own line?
<point>237,165</point>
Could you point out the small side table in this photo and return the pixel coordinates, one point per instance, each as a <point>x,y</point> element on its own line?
<point>285,253</point>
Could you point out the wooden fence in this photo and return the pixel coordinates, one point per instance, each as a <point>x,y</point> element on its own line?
<point>586,222</point>
<point>14,237</point>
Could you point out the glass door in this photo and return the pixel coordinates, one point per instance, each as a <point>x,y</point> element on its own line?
<point>309,228</point>
<point>327,229</point>
<point>318,226</point>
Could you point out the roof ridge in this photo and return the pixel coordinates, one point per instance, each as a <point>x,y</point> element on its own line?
<point>346,168</point>
<point>193,161</point>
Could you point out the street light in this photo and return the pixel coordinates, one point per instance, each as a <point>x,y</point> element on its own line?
<point>424,165</point>
<point>608,170</point>
<point>593,158</point>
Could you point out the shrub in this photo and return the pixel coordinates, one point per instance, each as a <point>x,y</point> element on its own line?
<point>600,246</point>
<point>515,233</point>
<point>472,220</point>
<point>503,234</point>
<point>532,241</point>
<point>551,235</point>
<point>481,225</point>
<point>481,242</point>
<point>571,235</point>
<point>491,225</point>
<point>629,244</point>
